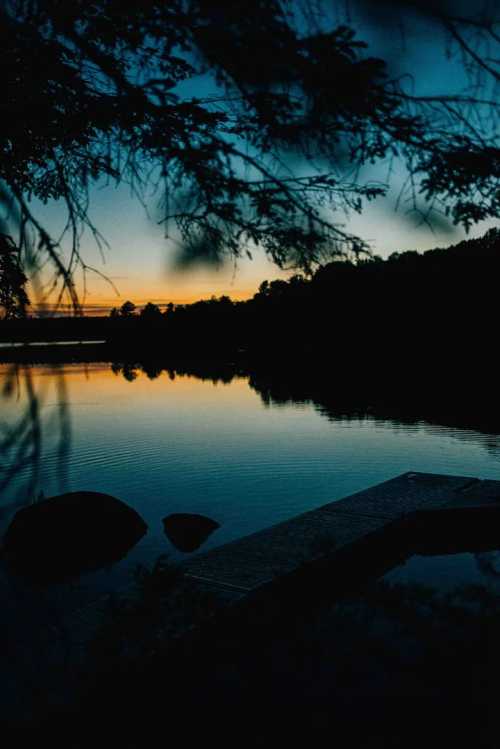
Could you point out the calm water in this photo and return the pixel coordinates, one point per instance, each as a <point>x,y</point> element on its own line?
<point>180,444</point>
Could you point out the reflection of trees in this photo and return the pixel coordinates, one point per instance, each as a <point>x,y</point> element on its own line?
<point>348,393</point>
<point>22,437</point>
<point>215,372</point>
<point>152,370</point>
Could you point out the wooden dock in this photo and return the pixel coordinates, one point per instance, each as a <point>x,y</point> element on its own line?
<point>352,539</point>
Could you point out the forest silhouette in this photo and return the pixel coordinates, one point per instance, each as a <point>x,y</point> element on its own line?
<point>411,303</point>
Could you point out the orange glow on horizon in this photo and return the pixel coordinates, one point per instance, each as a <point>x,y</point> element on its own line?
<point>142,297</point>
<point>97,305</point>
<point>151,283</point>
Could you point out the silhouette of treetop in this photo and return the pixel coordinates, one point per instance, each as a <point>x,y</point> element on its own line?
<point>127,309</point>
<point>266,155</point>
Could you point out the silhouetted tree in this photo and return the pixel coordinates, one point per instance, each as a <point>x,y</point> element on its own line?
<point>151,313</point>
<point>270,154</point>
<point>127,309</point>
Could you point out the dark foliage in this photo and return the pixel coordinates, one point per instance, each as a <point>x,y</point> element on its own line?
<point>127,309</point>
<point>13,297</point>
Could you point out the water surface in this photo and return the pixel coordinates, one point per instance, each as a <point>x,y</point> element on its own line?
<point>171,443</point>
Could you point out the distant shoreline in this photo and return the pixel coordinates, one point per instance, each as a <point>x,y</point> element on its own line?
<point>21,344</point>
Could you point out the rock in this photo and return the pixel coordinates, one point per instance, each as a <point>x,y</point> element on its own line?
<point>58,538</point>
<point>188,531</point>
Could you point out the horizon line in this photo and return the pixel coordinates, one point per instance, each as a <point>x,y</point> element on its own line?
<point>39,308</point>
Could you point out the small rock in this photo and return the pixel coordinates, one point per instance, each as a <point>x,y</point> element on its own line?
<point>188,531</point>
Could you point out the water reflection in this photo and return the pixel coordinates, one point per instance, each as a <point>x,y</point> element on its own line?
<point>23,430</point>
<point>330,399</point>
<point>211,440</point>
<point>206,371</point>
<point>336,392</point>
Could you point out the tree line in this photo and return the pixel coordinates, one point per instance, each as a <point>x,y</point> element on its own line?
<point>412,304</point>
<point>411,301</point>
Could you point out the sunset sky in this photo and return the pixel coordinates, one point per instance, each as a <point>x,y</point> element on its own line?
<point>141,261</point>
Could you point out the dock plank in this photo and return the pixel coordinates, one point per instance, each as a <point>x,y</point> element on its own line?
<point>405,494</point>
<point>268,556</point>
<point>257,559</point>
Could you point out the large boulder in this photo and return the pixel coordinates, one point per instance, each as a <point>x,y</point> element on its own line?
<point>60,537</point>
<point>188,531</point>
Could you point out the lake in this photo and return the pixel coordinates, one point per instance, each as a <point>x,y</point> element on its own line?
<point>169,443</point>
<point>165,441</point>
